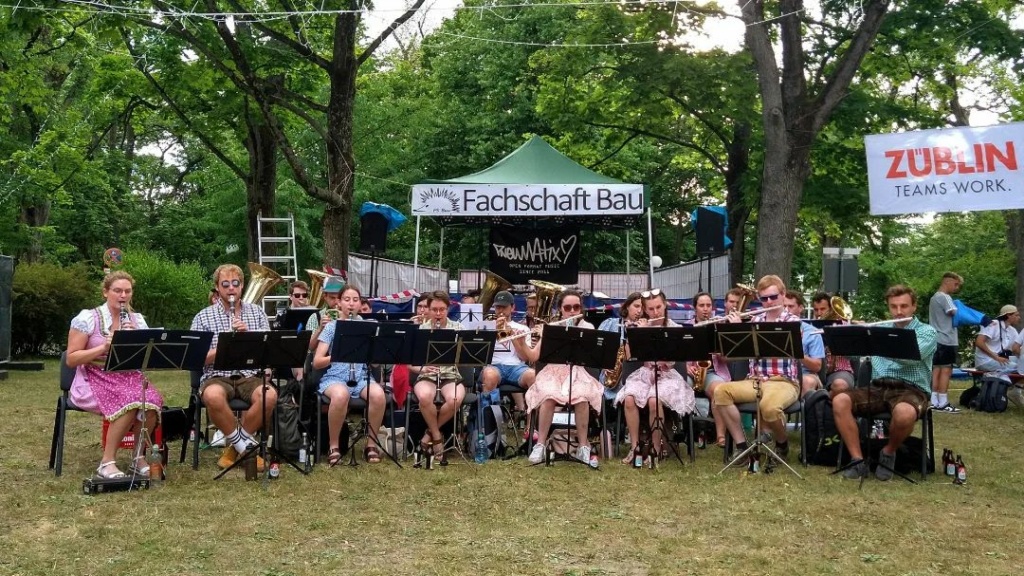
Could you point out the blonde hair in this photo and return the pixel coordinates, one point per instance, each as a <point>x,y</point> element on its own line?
<point>227,268</point>
<point>109,279</point>
<point>771,280</point>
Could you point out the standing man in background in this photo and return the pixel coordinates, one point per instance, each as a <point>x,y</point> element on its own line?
<point>940,315</point>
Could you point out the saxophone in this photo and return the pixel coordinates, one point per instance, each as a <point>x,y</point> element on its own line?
<point>611,380</point>
<point>700,375</point>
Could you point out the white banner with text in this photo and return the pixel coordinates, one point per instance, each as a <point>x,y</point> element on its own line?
<point>450,199</point>
<point>947,170</point>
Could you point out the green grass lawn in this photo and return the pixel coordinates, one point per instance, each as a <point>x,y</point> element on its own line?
<point>503,517</point>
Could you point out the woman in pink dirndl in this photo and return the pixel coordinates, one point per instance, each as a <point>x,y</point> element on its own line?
<point>117,396</point>
<point>552,387</point>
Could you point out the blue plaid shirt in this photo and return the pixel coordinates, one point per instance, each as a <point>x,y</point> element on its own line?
<point>916,372</point>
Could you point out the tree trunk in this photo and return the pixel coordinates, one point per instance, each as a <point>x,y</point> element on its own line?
<point>1015,238</point>
<point>261,181</point>
<point>34,217</point>
<point>341,164</point>
<point>739,212</point>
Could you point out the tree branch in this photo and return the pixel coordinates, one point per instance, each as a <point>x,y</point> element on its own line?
<point>388,32</point>
<point>682,143</point>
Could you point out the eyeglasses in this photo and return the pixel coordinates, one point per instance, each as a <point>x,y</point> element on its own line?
<point>226,283</point>
<point>572,307</point>
<point>650,293</point>
<point>768,297</point>
<point>300,295</point>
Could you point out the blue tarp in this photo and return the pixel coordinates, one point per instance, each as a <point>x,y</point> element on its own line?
<point>393,216</point>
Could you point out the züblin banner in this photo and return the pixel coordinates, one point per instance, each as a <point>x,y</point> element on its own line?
<point>449,199</point>
<point>949,170</point>
<point>520,255</point>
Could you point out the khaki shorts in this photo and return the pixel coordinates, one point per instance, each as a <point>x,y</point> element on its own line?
<point>234,387</point>
<point>777,394</point>
<point>884,394</point>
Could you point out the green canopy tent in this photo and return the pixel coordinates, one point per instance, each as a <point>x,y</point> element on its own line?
<point>534,186</point>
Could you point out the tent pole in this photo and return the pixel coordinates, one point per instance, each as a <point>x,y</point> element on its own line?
<point>416,258</point>
<point>650,250</point>
<point>440,252</point>
<point>629,282</point>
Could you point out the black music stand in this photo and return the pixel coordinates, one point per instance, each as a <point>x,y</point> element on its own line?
<point>295,319</point>
<point>888,342</point>
<point>261,351</point>
<point>759,341</point>
<point>368,342</point>
<point>154,349</point>
<point>575,346</point>
<point>669,344</point>
<point>475,349</point>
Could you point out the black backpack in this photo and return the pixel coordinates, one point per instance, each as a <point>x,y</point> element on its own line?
<point>992,397</point>
<point>820,431</point>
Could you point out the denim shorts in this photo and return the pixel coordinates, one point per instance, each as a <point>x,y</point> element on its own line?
<point>511,373</point>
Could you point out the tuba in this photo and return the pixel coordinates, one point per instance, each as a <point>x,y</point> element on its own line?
<point>838,309</point>
<point>261,281</point>
<point>316,287</point>
<point>492,285</point>
<point>547,293</point>
<point>749,295</point>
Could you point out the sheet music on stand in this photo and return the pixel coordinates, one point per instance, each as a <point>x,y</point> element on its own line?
<point>157,349</point>
<point>883,341</point>
<point>759,340</point>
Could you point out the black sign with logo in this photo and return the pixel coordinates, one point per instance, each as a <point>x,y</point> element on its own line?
<point>519,255</point>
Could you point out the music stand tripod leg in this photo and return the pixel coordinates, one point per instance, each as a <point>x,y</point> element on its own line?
<point>758,444</point>
<point>659,423</point>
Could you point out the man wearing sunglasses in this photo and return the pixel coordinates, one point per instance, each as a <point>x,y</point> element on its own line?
<point>298,297</point>
<point>778,376</point>
<point>218,387</point>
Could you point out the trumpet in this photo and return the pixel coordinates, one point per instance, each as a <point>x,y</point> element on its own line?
<point>521,333</point>
<point>718,319</point>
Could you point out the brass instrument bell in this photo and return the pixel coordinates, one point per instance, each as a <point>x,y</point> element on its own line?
<point>547,295</point>
<point>261,281</point>
<point>492,285</point>
<point>838,309</point>
<point>316,287</point>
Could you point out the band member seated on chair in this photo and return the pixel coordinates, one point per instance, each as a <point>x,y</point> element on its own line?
<point>901,387</point>
<point>507,365</point>
<point>344,380</point>
<point>813,344</point>
<point>839,374</point>
<point>718,373</point>
<point>117,396</point>
<point>218,387</point>
<point>430,378</point>
<point>996,347</point>
<point>778,377</point>
<point>551,388</point>
<point>329,313</point>
<point>639,389</point>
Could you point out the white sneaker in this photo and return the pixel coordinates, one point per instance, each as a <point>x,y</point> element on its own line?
<point>537,454</point>
<point>583,454</point>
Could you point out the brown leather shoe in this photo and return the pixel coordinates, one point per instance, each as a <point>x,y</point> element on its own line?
<point>227,457</point>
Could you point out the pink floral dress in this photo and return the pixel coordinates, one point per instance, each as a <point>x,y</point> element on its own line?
<point>109,394</point>
<point>552,383</point>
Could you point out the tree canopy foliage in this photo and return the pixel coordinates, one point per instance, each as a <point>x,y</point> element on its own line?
<point>165,127</point>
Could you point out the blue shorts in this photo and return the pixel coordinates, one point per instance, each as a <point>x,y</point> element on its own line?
<point>511,373</point>
<point>353,391</point>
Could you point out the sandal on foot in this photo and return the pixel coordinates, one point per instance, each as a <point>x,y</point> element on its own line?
<point>109,470</point>
<point>631,455</point>
<point>136,468</point>
<point>720,442</point>
<point>371,455</point>
<point>333,456</point>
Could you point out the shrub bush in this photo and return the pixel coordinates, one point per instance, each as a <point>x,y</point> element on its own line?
<point>45,297</point>
<point>167,294</point>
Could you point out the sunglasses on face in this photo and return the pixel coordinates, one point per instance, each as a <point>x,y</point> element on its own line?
<point>650,293</point>
<point>300,295</point>
<point>572,307</point>
<point>768,297</point>
<point>227,283</point>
